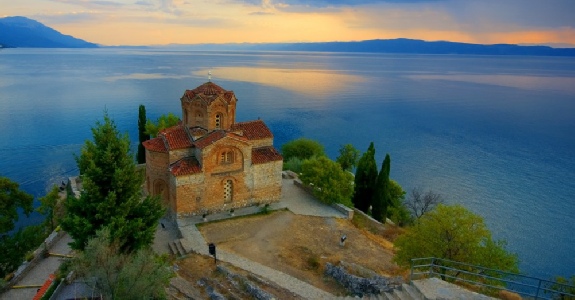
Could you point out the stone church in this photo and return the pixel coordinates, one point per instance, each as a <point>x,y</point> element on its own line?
<point>209,162</point>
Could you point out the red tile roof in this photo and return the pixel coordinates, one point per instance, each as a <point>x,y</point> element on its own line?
<point>176,137</point>
<point>210,92</point>
<point>42,290</point>
<point>253,130</point>
<point>185,166</point>
<point>265,154</point>
<point>156,145</point>
<point>209,139</point>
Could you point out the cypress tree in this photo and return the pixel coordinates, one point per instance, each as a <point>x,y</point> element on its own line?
<point>381,196</point>
<point>142,134</point>
<point>111,195</point>
<point>365,176</point>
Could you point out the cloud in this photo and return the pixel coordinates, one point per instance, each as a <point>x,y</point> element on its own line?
<point>92,4</point>
<point>68,18</point>
<point>261,13</point>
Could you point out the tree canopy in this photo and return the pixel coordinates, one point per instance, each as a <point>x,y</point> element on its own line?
<point>348,157</point>
<point>14,245</point>
<point>12,199</point>
<point>49,206</point>
<point>330,183</point>
<point>117,275</point>
<point>365,177</point>
<point>381,195</point>
<point>111,194</point>
<point>302,148</point>
<point>397,211</point>
<point>454,233</point>
<point>163,122</point>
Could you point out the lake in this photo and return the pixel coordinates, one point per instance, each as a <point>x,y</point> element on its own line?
<point>493,133</point>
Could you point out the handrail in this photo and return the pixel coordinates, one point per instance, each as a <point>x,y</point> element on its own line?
<point>433,266</point>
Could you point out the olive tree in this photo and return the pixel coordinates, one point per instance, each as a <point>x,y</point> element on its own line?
<point>330,184</point>
<point>454,233</point>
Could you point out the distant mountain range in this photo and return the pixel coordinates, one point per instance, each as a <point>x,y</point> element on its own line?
<point>24,32</point>
<point>407,46</point>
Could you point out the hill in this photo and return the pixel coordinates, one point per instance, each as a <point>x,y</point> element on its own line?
<point>407,46</point>
<point>24,32</point>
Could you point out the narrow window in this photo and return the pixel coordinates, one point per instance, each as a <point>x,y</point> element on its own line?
<point>228,191</point>
<point>218,121</point>
<point>227,157</point>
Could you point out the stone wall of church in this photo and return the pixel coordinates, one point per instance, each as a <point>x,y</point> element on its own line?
<point>262,143</point>
<point>267,181</point>
<point>197,194</point>
<point>156,165</point>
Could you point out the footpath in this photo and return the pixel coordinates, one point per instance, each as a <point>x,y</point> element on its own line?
<point>36,277</point>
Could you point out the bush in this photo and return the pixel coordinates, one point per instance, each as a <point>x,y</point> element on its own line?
<point>302,148</point>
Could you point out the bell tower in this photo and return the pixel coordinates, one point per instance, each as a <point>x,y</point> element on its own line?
<point>209,106</point>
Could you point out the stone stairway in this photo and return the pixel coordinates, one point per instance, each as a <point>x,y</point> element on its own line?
<point>406,292</point>
<point>425,289</point>
<point>177,248</point>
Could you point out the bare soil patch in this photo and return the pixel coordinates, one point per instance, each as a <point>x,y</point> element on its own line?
<point>301,245</point>
<point>197,268</point>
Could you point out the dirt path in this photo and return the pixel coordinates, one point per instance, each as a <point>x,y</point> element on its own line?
<point>300,245</point>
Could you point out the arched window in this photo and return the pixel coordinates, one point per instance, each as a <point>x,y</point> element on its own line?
<point>228,191</point>
<point>227,157</point>
<point>218,121</point>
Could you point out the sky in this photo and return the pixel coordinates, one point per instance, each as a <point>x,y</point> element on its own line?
<point>158,22</point>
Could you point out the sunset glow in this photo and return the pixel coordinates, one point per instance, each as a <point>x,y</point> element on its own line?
<point>154,22</point>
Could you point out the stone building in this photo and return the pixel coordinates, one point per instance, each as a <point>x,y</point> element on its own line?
<point>209,162</point>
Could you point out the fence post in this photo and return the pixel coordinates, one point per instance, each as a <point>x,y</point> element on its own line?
<point>432,265</point>
<point>538,289</point>
<point>411,274</point>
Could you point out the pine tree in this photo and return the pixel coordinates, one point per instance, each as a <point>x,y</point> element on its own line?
<point>111,194</point>
<point>365,176</point>
<point>142,135</point>
<point>381,196</point>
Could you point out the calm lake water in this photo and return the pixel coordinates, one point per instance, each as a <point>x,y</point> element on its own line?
<point>496,134</point>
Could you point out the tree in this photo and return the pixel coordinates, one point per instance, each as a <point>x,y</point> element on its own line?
<point>397,211</point>
<point>142,135</point>
<point>302,148</point>
<point>111,194</point>
<point>117,275</point>
<point>365,176</point>
<point>381,196</point>
<point>15,247</point>
<point>329,182</point>
<point>163,122</point>
<point>565,288</point>
<point>454,233</point>
<point>420,203</point>
<point>11,200</point>
<point>49,207</point>
<point>348,157</point>
<point>293,164</point>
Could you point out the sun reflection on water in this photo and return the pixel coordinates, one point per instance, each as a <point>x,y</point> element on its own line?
<point>305,81</point>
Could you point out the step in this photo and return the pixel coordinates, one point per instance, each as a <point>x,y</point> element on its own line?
<point>401,295</point>
<point>173,248</point>
<point>390,296</point>
<point>412,292</point>
<point>180,247</point>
